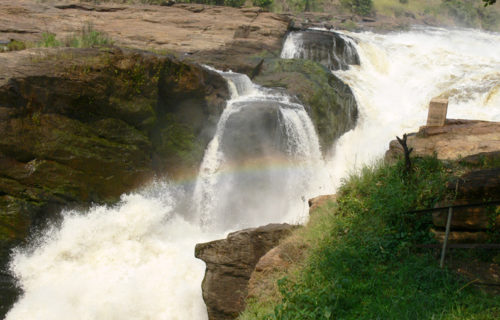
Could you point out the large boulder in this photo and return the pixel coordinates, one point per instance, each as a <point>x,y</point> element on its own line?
<point>83,126</point>
<point>333,50</point>
<point>230,262</point>
<point>329,101</point>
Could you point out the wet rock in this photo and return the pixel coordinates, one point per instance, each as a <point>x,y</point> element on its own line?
<point>230,263</point>
<point>334,51</point>
<point>83,126</point>
<point>329,102</point>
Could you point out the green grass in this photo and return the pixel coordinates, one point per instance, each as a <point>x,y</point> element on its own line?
<point>87,37</point>
<point>362,262</point>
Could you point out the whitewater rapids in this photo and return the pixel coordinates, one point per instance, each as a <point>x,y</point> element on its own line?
<point>135,260</point>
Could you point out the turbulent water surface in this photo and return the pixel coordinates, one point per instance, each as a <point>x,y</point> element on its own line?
<point>135,260</point>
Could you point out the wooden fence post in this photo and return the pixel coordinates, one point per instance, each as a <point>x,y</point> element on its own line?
<point>445,242</point>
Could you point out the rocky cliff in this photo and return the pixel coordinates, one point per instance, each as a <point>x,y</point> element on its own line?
<point>83,126</point>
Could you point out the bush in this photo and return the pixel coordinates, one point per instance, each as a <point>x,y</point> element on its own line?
<point>88,37</point>
<point>361,7</point>
<point>49,40</point>
<point>262,3</point>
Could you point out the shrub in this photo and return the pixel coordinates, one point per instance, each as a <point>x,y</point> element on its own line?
<point>49,40</point>
<point>361,7</point>
<point>262,3</point>
<point>88,37</point>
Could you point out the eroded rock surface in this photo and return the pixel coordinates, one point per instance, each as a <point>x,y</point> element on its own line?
<point>456,139</point>
<point>230,263</point>
<point>82,126</point>
<point>329,101</point>
<point>220,36</point>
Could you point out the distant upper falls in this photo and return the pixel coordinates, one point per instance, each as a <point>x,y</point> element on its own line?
<point>333,50</point>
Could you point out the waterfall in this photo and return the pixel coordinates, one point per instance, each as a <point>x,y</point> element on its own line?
<point>134,260</point>
<point>398,76</point>
<point>334,50</point>
<point>264,143</point>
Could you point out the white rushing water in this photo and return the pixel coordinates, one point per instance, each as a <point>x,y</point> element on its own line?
<point>401,72</point>
<point>135,260</point>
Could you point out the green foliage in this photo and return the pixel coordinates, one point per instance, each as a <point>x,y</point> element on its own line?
<point>49,40</point>
<point>88,37</point>
<point>363,264</point>
<point>16,45</point>
<point>469,13</point>
<point>262,3</point>
<point>361,7</point>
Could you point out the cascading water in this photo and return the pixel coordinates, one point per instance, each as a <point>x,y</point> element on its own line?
<point>264,144</point>
<point>332,49</point>
<point>401,72</point>
<point>135,260</point>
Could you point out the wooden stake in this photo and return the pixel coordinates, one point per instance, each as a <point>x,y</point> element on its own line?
<point>445,242</point>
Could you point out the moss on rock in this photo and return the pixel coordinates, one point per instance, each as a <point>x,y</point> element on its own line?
<point>83,126</point>
<point>331,103</point>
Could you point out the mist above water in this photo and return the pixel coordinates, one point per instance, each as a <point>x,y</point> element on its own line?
<point>401,72</point>
<point>135,260</point>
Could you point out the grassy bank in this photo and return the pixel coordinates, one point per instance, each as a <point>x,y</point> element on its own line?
<point>360,260</point>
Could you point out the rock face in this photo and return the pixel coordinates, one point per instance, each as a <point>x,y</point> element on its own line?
<point>230,263</point>
<point>334,51</point>
<point>330,102</point>
<point>472,224</point>
<point>219,36</point>
<point>86,125</point>
<point>456,139</point>
<point>319,201</point>
<point>474,144</point>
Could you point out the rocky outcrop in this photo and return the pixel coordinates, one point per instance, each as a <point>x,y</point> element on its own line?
<point>276,262</point>
<point>456,139</point>
<point>330,102</point>
<point>230,263</point>
<point>472,224</point>
<point>331,49</point>
<point>320,201</point>
<point>223,37</point>
<point>86,125</point>
<point>473,144</point>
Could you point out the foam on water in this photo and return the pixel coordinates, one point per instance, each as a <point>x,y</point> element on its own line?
<point>135,260</point>
<point>401,72</point>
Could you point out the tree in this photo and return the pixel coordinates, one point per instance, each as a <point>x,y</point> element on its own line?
<point>489,2</point>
